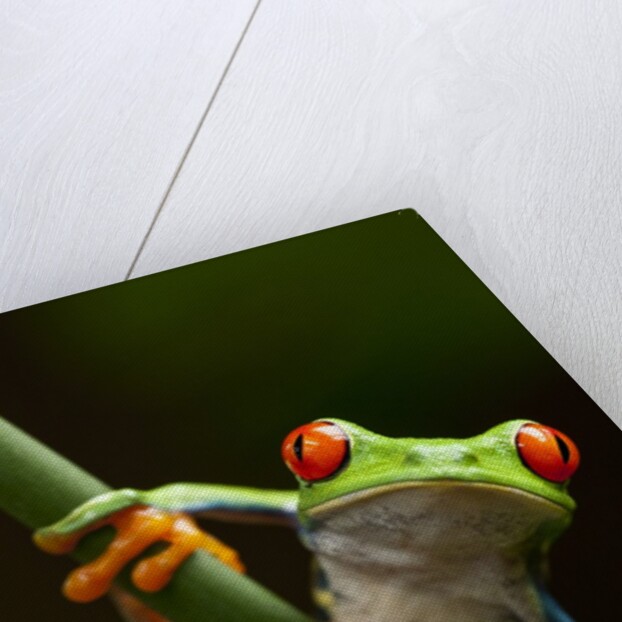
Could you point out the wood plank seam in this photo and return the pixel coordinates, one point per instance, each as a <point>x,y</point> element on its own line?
<point>193,138</point>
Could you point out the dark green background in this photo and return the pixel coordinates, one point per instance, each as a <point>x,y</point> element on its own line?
<point>196,374</point>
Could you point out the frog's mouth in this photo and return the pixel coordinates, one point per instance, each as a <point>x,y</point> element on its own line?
<point>443,487</point>
<point>467,513</point>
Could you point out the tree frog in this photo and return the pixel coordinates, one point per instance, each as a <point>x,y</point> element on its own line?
<point>401,529</point>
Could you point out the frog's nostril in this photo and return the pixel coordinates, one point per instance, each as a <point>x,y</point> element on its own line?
<point>468,458</point>
<point>412,458</point>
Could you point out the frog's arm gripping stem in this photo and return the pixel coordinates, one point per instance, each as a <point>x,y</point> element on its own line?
<point>228,503</point>
<point>142,518</point>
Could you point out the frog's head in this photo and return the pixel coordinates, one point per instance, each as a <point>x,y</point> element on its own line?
<point>519,467</point>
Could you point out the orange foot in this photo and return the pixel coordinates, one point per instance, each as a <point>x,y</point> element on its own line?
<point>137,528</point>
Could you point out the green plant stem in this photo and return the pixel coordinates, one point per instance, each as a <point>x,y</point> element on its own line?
<point>38,487</point>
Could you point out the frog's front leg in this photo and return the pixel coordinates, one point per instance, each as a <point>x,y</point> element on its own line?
<point>162,515</point>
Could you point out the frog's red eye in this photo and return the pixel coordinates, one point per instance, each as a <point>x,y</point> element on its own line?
<point>316,451</point>
<point>547,452</point>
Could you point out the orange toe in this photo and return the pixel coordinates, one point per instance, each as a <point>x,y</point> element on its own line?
<point>85,584</point>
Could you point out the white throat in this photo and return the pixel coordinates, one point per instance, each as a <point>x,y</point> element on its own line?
<point>432,551</point>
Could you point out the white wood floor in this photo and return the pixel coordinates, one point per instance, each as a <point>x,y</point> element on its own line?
<point>140,136</point>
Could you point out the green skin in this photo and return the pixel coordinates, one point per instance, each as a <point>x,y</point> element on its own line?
<point>377,466</point>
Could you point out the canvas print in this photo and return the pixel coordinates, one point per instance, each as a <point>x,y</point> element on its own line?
<point>343,426</point>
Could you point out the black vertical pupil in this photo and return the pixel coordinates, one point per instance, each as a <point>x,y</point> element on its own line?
<point>564,450</point>
<point>298,447</point>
